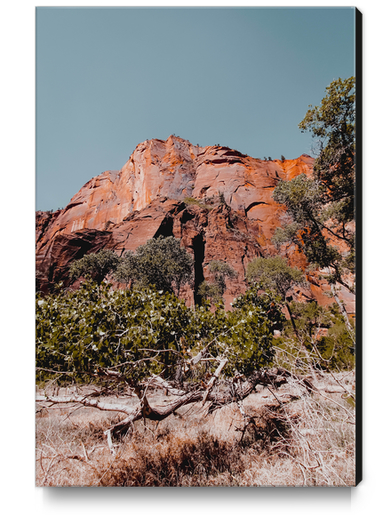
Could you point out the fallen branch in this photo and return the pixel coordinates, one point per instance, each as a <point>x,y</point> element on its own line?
<point>224,396</point>
<point>213,380</point>
<point>85,401</point>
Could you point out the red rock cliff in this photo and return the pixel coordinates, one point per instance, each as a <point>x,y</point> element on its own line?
<point>149,196</point>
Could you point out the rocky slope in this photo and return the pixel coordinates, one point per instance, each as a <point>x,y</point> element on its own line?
<point>216,200</point>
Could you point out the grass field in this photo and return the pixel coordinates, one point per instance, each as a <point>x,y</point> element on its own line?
<point>284,437</point>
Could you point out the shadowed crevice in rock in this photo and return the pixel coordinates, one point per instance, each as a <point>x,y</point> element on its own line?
<point>198,247</point>
<point>165,228</point>
<point>254,204</point>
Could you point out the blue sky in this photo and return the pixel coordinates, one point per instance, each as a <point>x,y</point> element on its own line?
<point>110,78</point>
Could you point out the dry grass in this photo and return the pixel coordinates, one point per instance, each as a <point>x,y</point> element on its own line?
<point>307,441</point>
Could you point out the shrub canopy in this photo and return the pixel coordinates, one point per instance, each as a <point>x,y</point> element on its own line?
<point>160,262</point>
<point>145,331</point>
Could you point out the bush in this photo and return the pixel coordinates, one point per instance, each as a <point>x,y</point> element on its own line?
<point>274,273</point>
<point>78,332</point>
<point>160,262</point>
<point>146,331</point>
<point>210,291</point>
<point>331,351</point>
<point>221,271</point>
<point>97,265</point>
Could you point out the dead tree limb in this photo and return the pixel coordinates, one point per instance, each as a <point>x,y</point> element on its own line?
<point>86,401</point>
<point>224,396</point>
<point>213,380</point>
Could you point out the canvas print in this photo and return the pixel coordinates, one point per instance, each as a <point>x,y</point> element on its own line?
<point>197,218</point>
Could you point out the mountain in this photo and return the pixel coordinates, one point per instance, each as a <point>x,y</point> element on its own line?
<point>215,199</point>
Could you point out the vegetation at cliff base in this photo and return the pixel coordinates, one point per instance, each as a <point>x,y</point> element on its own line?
<point>215,290</point>
<point>160,262</point>
<point>146,331</point>
<point>95,265</point>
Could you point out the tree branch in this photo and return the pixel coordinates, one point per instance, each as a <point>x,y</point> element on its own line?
<point>143,409</point>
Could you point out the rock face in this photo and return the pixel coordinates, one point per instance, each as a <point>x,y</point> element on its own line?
<point>216,200</point>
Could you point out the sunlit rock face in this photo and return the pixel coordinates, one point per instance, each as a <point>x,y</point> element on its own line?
<point>215,199</point>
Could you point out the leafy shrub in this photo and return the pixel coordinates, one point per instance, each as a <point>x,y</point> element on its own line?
<point>145,331</point>
<point>337,348</point>
<point>214,291</point>
<point>77,332</point>
<point>331,351</point>
<point>96,265</point>
<point>211,291</point>
<point>160,262</point>
<point>274,273</point>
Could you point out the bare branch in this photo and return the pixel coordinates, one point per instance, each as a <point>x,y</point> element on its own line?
<point>86,401</point>
<point>213,380</point>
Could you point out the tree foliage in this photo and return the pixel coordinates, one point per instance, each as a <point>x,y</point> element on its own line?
<point>306,226</point>
<point>324,334</point>
<point>210,291</point>
<point>275,274</point>
<point>161,262</point>
<point>333,125</point>
<point>321,208</point>
<point>215,290</point>
<point>96,265</point>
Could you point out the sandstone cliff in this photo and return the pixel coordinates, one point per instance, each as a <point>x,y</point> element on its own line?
<point>175,188</point>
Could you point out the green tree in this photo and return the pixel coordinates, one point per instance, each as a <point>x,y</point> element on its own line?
<point>211,291</point>
<point>96,265</point>
<point>220,271</point>
<point>127,270</point>
<point>333,125</point>
<point>306,223</point>
<point>323,333</point>
<point>320,209</point>
<point>161,262</point>
<point>275,274</point>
